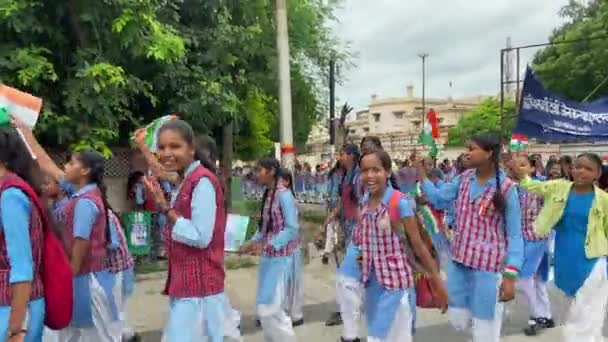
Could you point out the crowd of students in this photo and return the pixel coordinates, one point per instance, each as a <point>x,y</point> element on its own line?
<point>491,219</point>
<point>462,239</point>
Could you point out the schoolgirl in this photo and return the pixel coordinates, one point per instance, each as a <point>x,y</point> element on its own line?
<point>349,287</point>
<point>21,238</point>
<point>534,273</point>
<point>487,249</point>
<point>386,270</point>
<point>86,235</point>
<point>276,241</point>
<point>577,211</point>
<point>194,237</point>
<point>294,302</point>
<point>333,194</point>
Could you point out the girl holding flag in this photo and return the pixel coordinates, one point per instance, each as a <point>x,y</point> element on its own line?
<point>577,211</point>
<point>84,224</point>
<point>194,237</point>
<point>487,250</point>
<point>386,270</point>
<point>276,241</point>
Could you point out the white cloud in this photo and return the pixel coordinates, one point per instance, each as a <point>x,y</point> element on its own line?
<point>462,37</point>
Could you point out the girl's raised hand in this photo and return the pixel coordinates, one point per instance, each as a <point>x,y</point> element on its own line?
<point>154,188</point>
<point>140,137</point>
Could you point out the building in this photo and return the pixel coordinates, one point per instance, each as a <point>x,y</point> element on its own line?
<point>397,121</point>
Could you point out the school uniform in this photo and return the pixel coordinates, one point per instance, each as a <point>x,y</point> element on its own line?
<point>387,274</point>
<point>486,244</point>
<point>21,240</point>
<point>581,247</point>
<point>350,292</point>
<point>279,233</point>
<point>96,310</point>
<point>294,301</point>
<point>533,276</point>
<point>121,263</point>
<point>195,251</point>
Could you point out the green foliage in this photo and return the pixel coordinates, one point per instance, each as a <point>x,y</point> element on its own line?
<point>105,67</point>
<point>575,70</point>
<point>483,120</point>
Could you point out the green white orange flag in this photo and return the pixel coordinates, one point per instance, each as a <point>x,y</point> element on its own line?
<point>430,133</point>
<point>20,104</point>
<point>152,131</point>
<point>518,142</point>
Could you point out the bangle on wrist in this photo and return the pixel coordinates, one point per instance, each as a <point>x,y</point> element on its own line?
<point>510,272</point>
<point>18,332</point>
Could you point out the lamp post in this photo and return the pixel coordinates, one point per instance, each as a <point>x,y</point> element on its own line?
<point>423,56</point>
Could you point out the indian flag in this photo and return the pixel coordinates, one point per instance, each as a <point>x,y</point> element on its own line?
<point>430,222</point>
<point>430,133</point>
<point>518,142</point>
<point>152,131</point>
<point>20,104</point>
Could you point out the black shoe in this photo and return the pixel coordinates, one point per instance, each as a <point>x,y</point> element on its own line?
<point>334,319</point>
<point>258,323</point>
<point>134,338</point>
<point>325,259</point>
<point>536,325</point>
<point>297,323</point>
<point>342,339</point>
<point>545,323</point>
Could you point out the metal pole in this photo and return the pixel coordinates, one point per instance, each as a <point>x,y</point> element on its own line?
<point>517,86</point>
<point>502,88</point>
<point>423,56</point>
<point>286,126</point>
<point>332,108</point>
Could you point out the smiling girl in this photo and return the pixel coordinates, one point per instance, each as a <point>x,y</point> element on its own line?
<point>387,272</point>
<point>577,211</point>
<point>194,237</point>
<point>487,249</point>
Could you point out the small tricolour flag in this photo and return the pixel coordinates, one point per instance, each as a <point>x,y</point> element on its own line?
<point>152,129</point>
<point>518,142</point>
<point>430,132</point>
<point>20,104</point>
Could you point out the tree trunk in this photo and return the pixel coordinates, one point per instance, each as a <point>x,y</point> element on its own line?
<point>226,164</point>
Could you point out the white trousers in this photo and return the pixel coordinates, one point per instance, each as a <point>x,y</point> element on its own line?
<point>276,325</point>
<point>586,311</point>
<point>536,292</point>
<point>350,297</point>
<point>401,328</point>
<point>105,329</point>
<point>331,237</point>
<point>294,300</point>
<point>482,330</point>
<point>232,321</point>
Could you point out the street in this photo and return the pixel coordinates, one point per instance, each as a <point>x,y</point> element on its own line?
<point>148,310</point>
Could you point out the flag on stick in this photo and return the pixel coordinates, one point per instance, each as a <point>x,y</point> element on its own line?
<point>430,133</point>
<point>152,129</point>
<point>518,142</point>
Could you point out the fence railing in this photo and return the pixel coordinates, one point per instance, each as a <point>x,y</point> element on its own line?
<point>308,189</point>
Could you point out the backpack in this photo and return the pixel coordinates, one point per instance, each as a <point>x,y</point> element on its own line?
<point>425,297</point>
<point>56,273</point>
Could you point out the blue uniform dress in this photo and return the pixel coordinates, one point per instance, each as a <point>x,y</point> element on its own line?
<point>382,305</point>
<point>349,266</point>
<point>273,270</point>
<point>463,281</point>
<point>15,225</point>
<point>572,267</point>
<point>85,215</point>
<point>192,318</point>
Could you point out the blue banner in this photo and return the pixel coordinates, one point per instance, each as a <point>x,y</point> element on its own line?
<point>553,118</point>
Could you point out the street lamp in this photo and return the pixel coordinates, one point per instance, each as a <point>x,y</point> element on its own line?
<point>423,56</point>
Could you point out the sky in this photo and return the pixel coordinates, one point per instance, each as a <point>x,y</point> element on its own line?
<point>462,37</point>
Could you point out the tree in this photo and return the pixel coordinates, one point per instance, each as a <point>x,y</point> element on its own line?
<point>580,69</point>
<point>483,120</point>
<point>104,67</point>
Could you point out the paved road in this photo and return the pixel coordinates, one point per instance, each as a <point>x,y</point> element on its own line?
<point>148,310</point>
